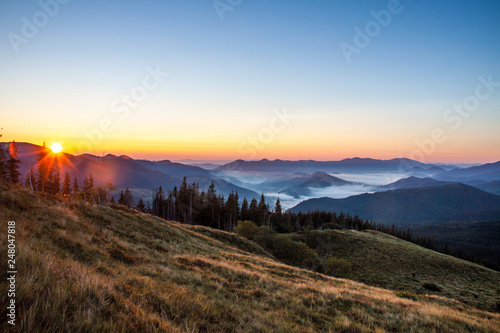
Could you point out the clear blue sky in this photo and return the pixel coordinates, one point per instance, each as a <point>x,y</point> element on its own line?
<point>226,77</point>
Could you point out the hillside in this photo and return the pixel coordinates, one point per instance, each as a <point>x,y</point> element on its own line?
<point>87,268</point>
<point>477,239</point>
<point>454,202</point>
<point>300,184</point>
<point>412,182</point>
<point>473,175</point>
<point>385,261</point>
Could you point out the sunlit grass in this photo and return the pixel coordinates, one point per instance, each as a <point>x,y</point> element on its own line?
<point>85,268</point>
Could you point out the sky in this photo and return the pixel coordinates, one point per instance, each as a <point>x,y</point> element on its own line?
<point>252,79</point>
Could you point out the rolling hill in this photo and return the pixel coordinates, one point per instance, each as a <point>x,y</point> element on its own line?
<point>385,261</point>
<point>403,207</point>
<point>412,182</point>
<point>473,175</point>
<point>300,184</point>
<point>108,268</point>
<point>492,187</point>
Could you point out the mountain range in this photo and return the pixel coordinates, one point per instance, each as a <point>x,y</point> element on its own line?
<point>435,196</point>
<point>405,207</point>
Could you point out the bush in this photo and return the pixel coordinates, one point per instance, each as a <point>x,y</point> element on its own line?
<point>432,287</point>
<point>280,246</point>
<point>337,267</point>
<point>407,294</point>
<point>247,229</point>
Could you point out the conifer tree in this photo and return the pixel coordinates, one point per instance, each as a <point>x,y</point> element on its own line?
<point>140,206</point>
<point>66,185</point>
<point>13,164</point>
<point>277,207</point>
<point>128,200</point>
<point>253,211</point>
<point>263,210</point>
<point>54,181</point>
<point>3,163</point>
<point>244,210</point>
<point>43,169</point>
<point>75,186</point>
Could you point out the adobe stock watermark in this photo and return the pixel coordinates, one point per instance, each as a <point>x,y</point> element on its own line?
<point>31,26</point>
<point>363,37</point>
<point>453,118</point>
<point>223,6</point>
<point>121,108</point>
<point>265,136</point>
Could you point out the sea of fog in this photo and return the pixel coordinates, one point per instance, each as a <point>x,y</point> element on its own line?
<point>366,183</point>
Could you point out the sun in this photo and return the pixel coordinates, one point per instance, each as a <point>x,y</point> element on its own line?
<point>56,147</point>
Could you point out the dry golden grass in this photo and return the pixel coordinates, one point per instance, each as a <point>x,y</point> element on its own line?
<point>84,268</point>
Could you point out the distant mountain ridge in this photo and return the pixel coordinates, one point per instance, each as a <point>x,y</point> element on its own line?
<point>141,176</point>
<point>346,165</point>
<point>301,186</point>
<point>404,207</point>
<point>413,182</point>
<point>473,175</point>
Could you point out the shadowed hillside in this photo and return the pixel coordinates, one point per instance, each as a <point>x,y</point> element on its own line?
<point>385,261</point>
<point>454,202</point>
<point>88,268</point>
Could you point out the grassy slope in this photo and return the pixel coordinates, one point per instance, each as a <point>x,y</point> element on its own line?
<point>84,268</point>
<point>385,261</point>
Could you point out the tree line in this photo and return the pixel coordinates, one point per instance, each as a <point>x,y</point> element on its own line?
<point>188,204</point>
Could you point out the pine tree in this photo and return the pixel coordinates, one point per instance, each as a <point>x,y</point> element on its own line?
<point>54,181</point>
<point>3,163</point>
<point>244,210</point>
<point>127,198</point>
<point>75,186</point>
<point>112,201</point>
<point>253,211</point>
<point>88,189</point>
<point>121,199</point>
<point>277,207</point>
<point>263,210</point>
<point>140,206</point>
<point>43,169</point>
<point>66,185</point>
<point>13,164</point>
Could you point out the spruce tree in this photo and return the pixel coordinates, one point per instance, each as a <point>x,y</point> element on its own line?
<point>263,210</point>
<point>141,206</point>
<point>244,210</point>
<point>277,207</point>
<point>3,163</point>
<point>54,182</point>
<point>13,164</point>
<point>66,185</point>
<point>43,169</point>
<point>127,198</point>
<point>75,186</point>
<point>253,211</point>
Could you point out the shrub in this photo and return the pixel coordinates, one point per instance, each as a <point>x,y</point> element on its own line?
<point>247,229</point>
<point>337,267</point>
<point>280,246</point>
<point>407,294</point>
<point>432,287</point>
